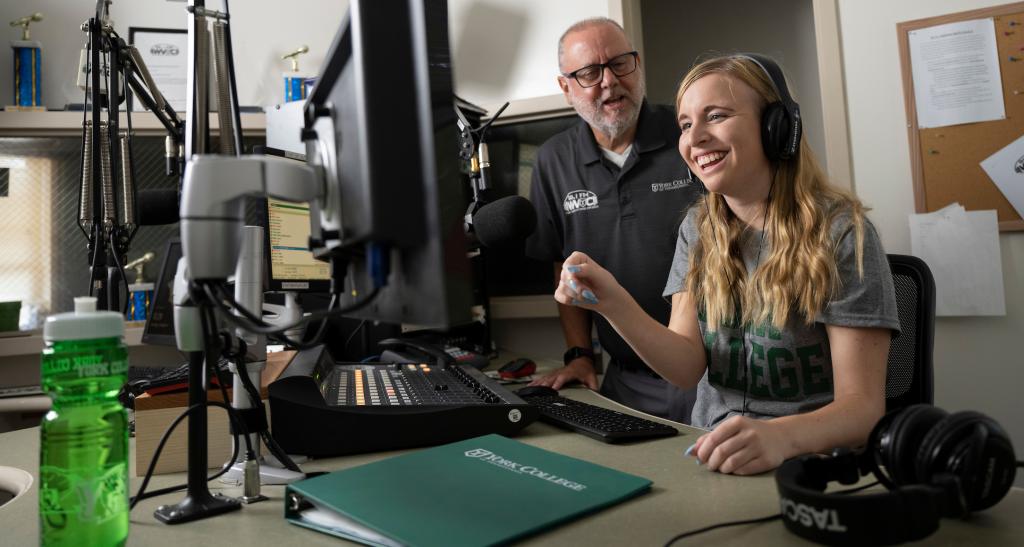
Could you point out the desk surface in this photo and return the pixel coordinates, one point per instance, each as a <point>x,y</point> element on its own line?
<point>685,496</point>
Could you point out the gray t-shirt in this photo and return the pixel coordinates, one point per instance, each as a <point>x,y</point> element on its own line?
<point>789,371</point>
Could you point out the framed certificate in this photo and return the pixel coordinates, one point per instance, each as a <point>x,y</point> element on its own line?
<point>165,52</point>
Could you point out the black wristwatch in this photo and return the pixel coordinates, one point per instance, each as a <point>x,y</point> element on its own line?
<point>576,352</point>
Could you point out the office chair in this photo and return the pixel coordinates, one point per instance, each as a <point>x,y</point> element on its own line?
<point>908,376</point>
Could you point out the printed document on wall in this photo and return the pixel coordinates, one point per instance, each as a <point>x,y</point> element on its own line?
<point>956,73</point>
<point>962,250</point>
<point>1006,169</point>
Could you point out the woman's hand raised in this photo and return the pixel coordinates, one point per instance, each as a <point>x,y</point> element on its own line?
<point>584,283</point>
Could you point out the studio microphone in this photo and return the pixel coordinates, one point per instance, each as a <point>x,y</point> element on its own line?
<point>157,207</point>
<point>505,222</point>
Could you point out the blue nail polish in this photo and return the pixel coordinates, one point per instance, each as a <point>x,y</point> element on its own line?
<point>690,452</point>
<point>573,269</point>
<point>572,284</point>
<point>589,296</point>
<point>576,302</point>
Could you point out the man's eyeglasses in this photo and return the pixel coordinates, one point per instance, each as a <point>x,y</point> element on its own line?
<point>591,75</point>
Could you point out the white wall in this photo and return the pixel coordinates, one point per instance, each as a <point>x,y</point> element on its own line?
<point>978,362</point>
<point>505,51</point>
<point>262,30</point>
<point>502,50</point>
<point>677,34</point>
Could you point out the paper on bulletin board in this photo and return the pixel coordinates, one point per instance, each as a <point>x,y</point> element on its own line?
<point>956,73</point>
<point>1006,169</point>
<point>962,250</point>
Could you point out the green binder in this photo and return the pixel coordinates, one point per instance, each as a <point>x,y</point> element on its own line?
<point>483,491</point>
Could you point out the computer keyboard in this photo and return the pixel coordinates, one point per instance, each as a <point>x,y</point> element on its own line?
<point>605,425</point>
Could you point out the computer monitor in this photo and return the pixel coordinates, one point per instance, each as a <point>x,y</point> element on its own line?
<point>159,328</point>
<point>380,124</point>
<point>290,264</point>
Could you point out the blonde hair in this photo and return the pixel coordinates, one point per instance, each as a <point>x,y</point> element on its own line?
<point>799,274</point>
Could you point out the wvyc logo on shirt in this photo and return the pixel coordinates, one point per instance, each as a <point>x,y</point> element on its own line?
<point>579,200</point>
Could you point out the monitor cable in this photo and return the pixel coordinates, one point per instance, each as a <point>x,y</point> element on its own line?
<point>238,356</point>
<point>226,303</point>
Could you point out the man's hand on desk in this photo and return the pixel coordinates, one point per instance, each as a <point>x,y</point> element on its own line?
<point>579,370</point>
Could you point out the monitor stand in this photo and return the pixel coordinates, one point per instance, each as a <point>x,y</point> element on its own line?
<point>271,470</point>
<point>287,314</point>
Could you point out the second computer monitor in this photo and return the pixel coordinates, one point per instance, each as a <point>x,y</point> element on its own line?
<point>290,264</point>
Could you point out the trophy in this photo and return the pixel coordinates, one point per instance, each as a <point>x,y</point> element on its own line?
<point>28,58</point>
<point>294,84</point>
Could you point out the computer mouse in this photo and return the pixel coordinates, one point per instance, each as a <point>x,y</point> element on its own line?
<point>517,368</point>
<point>537,391</point>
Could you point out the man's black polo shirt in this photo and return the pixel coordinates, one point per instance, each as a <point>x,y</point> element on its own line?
<point>627,220</point>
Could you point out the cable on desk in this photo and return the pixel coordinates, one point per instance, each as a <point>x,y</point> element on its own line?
<point>722,525</point>
<point>758,520</point>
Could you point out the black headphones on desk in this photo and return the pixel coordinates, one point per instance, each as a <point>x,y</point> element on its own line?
<point>936,465</point>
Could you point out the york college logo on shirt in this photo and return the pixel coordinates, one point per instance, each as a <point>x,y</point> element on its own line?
<point>579,200</point>
<point>666,186</point>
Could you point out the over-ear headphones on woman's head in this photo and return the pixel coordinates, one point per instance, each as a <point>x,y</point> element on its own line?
<point>936,465</point>
<point>780,124</point>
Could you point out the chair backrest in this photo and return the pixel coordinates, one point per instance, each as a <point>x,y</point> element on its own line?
<point>908,377</point>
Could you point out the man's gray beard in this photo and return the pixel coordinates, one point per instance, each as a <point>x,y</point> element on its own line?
<point>614,130</point>
<point>591,114</point>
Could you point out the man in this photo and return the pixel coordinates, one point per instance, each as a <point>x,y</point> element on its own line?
<point>614,187</point>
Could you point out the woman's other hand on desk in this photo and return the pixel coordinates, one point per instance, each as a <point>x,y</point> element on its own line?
<point>580,370</point>
<point>742,446</point>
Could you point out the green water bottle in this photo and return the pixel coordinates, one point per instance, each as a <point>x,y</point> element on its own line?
<point>83,461</point>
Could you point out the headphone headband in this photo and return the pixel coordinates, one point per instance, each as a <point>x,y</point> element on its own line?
<point>871,519</point>
<point>774,73</point>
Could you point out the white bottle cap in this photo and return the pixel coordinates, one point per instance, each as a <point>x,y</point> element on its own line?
<point>85,323</point>
<point>85,304</point>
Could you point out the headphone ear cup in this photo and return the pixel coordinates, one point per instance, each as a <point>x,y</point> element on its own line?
<point>984,463</point>
<point>898,445</point>
<point>775,129</point>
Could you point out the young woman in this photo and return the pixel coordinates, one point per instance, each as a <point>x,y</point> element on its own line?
<point>782,300</point>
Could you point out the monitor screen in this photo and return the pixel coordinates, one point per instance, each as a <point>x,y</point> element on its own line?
<point>380,125</point>
<point>159,329</point>
<point>290,264</point>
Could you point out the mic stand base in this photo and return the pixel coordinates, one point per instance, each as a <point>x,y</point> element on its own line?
<point>196,506</point>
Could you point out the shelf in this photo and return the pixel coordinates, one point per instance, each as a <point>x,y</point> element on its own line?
<point>31,343</point>
<point>524,307</point>
<point>69,124</point>
<point>536,108</point>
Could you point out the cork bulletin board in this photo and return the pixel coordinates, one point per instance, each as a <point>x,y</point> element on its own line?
<point>946,160</point>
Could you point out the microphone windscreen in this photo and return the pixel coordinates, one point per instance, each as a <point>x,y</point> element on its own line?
<point>505,222</point>
<point>157,206</point>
